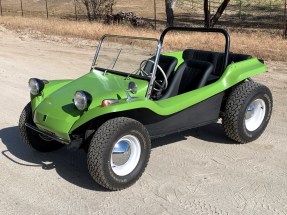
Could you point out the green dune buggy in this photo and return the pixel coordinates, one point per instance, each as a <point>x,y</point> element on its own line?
<point>134,93</point>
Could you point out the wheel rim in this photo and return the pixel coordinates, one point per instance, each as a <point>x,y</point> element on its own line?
<point>125,155</point>
<point>255,114</point>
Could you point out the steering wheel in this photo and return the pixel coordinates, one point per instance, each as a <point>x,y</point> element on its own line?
<point>160,85</point>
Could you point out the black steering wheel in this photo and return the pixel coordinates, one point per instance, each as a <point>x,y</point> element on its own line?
<point>159,85</point>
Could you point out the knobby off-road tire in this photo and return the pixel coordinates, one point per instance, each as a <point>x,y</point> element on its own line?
<point>105,142</point>
<point>246,100</point>
<point>32,138</point>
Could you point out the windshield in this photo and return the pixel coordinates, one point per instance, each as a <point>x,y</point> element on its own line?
<point>124,54</point>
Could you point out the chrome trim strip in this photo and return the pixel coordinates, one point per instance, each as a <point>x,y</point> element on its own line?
<point>59,139</point>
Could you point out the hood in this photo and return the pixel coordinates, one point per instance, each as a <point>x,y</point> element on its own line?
<point>57,113</point>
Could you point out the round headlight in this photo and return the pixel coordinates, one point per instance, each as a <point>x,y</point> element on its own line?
<point>82,100</point>
<point>36,86</point>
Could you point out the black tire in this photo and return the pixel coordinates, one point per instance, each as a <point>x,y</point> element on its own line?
<point>239,99</point>
<point>100,150</point>
<point>32,138</point>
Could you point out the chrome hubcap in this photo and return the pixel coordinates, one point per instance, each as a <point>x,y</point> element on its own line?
<point>255,114</point>
<point>125,155</point>
<point>121,152</point>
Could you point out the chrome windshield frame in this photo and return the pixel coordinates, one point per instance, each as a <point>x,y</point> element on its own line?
<point>117,36</point>
<point>157,54</point>
<point>153,75</point>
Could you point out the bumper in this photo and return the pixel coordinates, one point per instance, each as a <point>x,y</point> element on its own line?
<point>52,136</point>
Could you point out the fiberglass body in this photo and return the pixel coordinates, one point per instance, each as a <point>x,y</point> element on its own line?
<point>55,113</point>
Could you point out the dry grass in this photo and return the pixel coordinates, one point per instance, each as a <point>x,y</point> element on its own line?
<point>257,44</point>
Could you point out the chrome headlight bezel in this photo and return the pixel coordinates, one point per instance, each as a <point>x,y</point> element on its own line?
<point>36,86</point>
<point>82,100</point>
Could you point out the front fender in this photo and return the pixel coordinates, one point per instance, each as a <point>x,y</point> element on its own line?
<point>49,88</point>
<point>123,105</point>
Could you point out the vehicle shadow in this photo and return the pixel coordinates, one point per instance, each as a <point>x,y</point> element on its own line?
<point>70,165</point>
<point>212,133</point>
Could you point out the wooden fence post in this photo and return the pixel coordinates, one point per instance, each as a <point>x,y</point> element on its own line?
<point>47,11</point>
<point>1,8</point>
<point>22,12</point>
<point>285,21</point>
<point>270,7</point>
<point>154,10</point>
<point>76,12</point>
<point>240,8</point>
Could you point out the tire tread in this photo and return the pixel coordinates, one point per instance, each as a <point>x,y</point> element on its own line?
<point>99,145</point>
<point>236,99</point>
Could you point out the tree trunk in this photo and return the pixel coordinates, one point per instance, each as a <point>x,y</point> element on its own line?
<point>219,12</point>
<point>206,14</point>
<point>169,7</point>
<point>94,5</point>
<point>87,5</point>
<point>211,21</point>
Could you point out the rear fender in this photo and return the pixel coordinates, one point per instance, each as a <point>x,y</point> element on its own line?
<point>237,72</point>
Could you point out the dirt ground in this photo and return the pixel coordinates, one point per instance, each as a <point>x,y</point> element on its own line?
<point>195,172</point>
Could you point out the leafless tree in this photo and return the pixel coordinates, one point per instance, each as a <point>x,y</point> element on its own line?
<point>96,9</point>
<point>209,20</point>
<point>86,3</point>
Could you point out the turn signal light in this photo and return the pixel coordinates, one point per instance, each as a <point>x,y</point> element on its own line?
<point>108,102</point>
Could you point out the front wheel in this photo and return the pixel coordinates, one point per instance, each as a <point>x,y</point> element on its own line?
<point>247,111</point>
<point>118,153</point>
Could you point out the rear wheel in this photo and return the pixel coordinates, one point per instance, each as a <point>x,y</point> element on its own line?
<point>33,139</point>
<point>247,111</point>
<point>118,153</point>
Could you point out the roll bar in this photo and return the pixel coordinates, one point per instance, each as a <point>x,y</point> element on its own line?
<point>211,30</point>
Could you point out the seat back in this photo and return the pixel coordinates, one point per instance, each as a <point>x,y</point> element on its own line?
<point>190,75</point>
<point>216,58</point>
<point>193,54</point>
<point>167,63</point>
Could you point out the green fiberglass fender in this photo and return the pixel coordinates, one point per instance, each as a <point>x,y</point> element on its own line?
<point>233,74</point>
<point>237,72</point>
<point>54,109</point>
<point>50,87</point>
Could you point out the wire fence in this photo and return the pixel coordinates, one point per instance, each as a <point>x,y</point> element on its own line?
<point>267,15</point>
<point>42,8</point>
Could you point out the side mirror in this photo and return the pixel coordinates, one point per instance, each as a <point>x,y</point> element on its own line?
<point>133,88</point>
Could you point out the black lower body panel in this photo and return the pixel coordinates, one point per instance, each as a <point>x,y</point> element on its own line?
<point>200,114</point>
